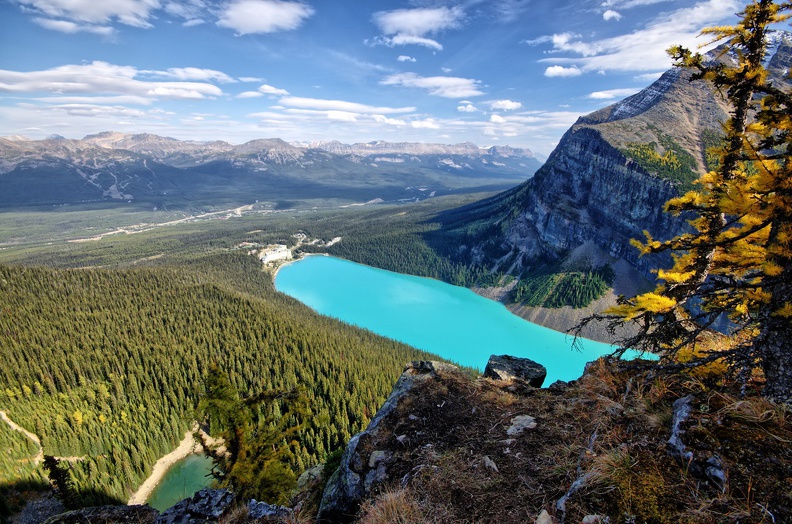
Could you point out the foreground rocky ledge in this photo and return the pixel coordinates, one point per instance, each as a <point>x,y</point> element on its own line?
<point>617,445</point>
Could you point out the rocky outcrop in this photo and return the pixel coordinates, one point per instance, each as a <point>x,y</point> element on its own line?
<point>506,367</point>
<point>363,469</point>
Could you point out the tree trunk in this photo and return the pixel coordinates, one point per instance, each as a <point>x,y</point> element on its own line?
<point>774,343</point>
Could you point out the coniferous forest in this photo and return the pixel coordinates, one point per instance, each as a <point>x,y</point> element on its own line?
<point>106,365</point>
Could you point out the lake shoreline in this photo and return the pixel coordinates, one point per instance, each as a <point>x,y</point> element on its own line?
<point>186,447</point>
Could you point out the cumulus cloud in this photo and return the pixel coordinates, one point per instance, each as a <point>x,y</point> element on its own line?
<point>506,105</point>
<point>444,86</point>
<point>129,12</point>
<point>497,119</point>
<point>65,26</point>
<point>194,73</point>
<point>419,21</point>
<point>250,94</point>
<point>612,93</point>
<point>101,78</point>
<point>269,90</point>
<point>382,119</point>
<point>411,26</point>
<point>341,116</point>
<point>428,123</point>
<point>644,48</point>
<point>562,72</point>
<point>467,108</point>
<point>264,16</point>
<point>610,14</point>
<point>340,105</point>
<point>405,58</point>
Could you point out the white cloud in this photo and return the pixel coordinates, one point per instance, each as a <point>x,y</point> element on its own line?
<point>97,110</point>
<point>467,108</point>
<point>497,119</point>
<point>405,58</point>
<point>382,119</point>
<point>406,40</point>
<point>411,26</point>
<point>562,72</point>
<point>418,22</point>
<point>251,79</point>
<point>194,73</point>
<point>506,105</point>
<point>644,48</point>
<point>269,90</point>
<point>193,22</point>
<point>612,93</point>
<point>340,105</point>
<point>100,78</point>
<point>648,77</point>
<point>264,16</point>
<point>342,116</point>
<point>250,94</point>
<point>428,123</point>
<point>64,26</point>
<point>129,12</point>
<point>610,14</point>
<point>445,86</point>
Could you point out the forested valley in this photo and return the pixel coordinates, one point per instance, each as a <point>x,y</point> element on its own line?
<point>106,365</point>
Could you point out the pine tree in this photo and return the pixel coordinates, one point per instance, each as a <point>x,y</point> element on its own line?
<point>738,261</point>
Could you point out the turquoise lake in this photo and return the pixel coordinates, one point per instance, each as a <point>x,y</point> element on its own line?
<point>447,320</point>
<point>182,480</point>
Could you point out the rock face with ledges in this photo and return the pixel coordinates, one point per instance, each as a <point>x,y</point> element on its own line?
<point>591,190</point>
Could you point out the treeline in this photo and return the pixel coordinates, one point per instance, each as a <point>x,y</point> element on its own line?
<point>106,365</point>
<point>555,289</point>
<point>674,164</point>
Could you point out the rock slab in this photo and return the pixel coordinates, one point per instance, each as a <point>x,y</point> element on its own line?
<point>506,367</point>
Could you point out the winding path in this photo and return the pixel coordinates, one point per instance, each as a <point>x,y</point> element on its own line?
<point>39,458</point>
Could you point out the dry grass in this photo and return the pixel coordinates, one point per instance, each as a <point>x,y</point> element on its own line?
<point>393,506</point>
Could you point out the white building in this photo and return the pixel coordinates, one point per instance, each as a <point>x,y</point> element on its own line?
<point>275,253</point>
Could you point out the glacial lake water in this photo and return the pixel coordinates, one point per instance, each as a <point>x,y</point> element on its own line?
<point>447,320</point>
<point>182,480</point>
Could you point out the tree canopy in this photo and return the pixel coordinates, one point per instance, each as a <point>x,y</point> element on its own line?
<point>737,261</point>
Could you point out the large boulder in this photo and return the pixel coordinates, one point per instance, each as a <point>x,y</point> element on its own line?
<point>208,505</point>
<point>505,367</point>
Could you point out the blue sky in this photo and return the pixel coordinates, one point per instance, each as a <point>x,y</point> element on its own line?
<point>492,72</point>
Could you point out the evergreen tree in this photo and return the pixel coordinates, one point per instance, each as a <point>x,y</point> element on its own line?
<point>257,434</point>
<point>738,261</point>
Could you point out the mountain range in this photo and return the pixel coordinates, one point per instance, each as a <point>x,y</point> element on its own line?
<point>167,172</point>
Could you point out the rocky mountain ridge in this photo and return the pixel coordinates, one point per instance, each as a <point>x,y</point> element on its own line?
<point>607,180</point>
<point>163,170</point>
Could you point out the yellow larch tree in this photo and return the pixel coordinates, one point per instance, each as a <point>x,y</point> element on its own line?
<point>737,262</point>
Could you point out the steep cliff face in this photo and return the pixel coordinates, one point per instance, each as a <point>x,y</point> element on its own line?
<point>608,178</point>
<point>588,191</point>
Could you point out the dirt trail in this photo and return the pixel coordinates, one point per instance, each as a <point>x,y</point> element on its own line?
<point>39,458</point>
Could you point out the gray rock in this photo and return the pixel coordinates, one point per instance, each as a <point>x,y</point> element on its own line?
<point>519,424</point>
<point>505,367</point>
<point>595,519</point>
<point>544,518</point>
<point>310,476</point>
<point>358,475</point>
<point>208,505</point>
<point>260,510</point>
